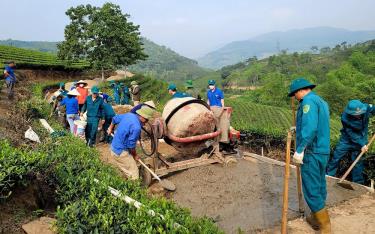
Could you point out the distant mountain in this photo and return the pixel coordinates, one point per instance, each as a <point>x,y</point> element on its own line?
<point>163,63</point>
<point>271,43</point>
<point>44,46</point>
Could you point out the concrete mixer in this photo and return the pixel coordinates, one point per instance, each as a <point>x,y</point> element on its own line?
<point>189,126</point>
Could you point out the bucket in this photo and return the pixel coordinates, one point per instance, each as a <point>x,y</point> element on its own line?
<point>80,127</point>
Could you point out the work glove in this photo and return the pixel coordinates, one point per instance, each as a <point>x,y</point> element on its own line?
<point>298,157</point>
<point>293,128</point>
<point>364,148</point>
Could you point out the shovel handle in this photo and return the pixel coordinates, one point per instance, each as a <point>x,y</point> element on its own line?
<point>148,169</point>
<point>356,161</point>
<point>284,215</point>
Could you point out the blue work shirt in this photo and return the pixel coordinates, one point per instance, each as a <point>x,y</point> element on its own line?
<point>354,129</point>
<point>312,129</point>
<point>180,95</point>
<point>11,77</point>
<point>215,96</point>
<point>93,108</point>
<point>71,105</point>
<point>108,111</point>
<point>127,132</point>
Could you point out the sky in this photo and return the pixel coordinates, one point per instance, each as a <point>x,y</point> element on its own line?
<point>191,27</point>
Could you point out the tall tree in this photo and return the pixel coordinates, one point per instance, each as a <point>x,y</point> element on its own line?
<point>102,35</point>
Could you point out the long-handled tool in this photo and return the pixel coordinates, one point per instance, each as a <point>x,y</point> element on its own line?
<point>347,185</point>
<point>298,170</point>
<point>284,216</point>
<point>164,183</point>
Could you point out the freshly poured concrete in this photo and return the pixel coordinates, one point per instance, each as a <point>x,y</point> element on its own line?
<point>247,195</point>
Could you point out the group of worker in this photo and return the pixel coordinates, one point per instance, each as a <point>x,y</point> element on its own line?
<point>96,109</point>
<point>122,94</point>
<point>313,146</point>
<point>312,135</point>
<point>123,147</point>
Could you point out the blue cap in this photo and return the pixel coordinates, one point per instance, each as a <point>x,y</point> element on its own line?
<point>297,84</point>
<point>355,107</point>
<point>172,87</point>
<point>211,82</point>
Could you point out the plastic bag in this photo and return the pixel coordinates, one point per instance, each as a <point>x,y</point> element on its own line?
<point>31,135</point>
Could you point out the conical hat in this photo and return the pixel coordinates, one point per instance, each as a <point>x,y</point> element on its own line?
<point>151,104</point>
<point>74,92</point>
<point>81,82</point>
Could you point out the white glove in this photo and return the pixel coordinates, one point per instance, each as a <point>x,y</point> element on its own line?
<point>293,128</point>
<point>364,148</point>
<point>298,157</point>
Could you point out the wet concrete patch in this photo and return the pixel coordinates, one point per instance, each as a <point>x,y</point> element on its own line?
<point>245,196</point>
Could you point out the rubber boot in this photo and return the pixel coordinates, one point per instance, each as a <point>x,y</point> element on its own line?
<point>312,222</point>
<point>323,220</point>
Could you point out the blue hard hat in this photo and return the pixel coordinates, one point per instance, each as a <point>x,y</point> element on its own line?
<point>355,107</point>
<point>211,82</point>
<point>299,83</point>
<point>172,87</point>
<point>95,89</point>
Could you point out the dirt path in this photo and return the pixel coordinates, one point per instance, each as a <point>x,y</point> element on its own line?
<point>354,216</point>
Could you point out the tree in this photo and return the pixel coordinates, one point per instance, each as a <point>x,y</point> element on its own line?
<point>314,49</point>
<point>101,35</point>
<point>325,50</point>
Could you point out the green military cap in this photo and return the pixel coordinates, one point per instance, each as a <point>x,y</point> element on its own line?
<point>355,107</point>
<point>95,90</point>
<point>297,84</point>
<point>146,112</point>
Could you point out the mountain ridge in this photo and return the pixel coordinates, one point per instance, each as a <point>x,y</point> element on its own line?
<point>295,40</point>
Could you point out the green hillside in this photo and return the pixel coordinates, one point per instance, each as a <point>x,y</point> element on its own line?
<point>163,63</point>
<point>341,74</point>
<point>34,59</point>
<point>43,46</point>
<point>267,120</point>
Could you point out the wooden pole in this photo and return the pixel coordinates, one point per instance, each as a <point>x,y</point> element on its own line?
<point>298,171</point>
<point>284,218</point>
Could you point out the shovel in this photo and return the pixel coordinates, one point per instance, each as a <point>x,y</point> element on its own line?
<point>347,185</point>
<point>168,185</point>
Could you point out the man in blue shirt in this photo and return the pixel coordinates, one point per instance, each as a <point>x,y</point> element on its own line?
<point>71,104</point>
<point>355,120</point>
<point>10,78</point>
<point>123,147</point>
<point>215,99</point>
<point>312,150</point>
<point>172,89</point>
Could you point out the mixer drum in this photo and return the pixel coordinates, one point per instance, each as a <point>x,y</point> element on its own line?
<point>186,117</point>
